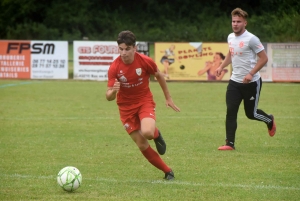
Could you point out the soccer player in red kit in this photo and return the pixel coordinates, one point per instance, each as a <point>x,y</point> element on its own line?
<point>128,80</point>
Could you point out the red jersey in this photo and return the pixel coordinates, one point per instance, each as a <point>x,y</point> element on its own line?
<point>134,78</point>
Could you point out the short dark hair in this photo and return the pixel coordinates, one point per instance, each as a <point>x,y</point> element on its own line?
<point>126,37</point>
<point>239,12</point>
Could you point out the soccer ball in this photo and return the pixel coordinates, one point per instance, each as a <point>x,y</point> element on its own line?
<point>69,178</point>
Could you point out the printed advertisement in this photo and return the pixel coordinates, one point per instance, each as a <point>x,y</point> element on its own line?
<point>284,59</point>
<point>92,59</point>
<point>33,59</point>
<point>266,71</point>
<point>191,61</point>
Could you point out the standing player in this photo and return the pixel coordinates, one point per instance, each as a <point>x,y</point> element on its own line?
<point>128,80</point>
<point>245,82</point>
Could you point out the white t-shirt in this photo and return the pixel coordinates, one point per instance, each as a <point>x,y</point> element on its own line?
<point>244,49</point>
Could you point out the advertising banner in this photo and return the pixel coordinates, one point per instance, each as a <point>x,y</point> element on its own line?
<point>284,59</point>
<point>92,59</point>
<point>143,47</point>
<point>266,71</point>
<point>33,59</point>
<point>191,61</point>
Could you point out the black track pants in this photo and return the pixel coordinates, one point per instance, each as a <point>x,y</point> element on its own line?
<point>236,92</point>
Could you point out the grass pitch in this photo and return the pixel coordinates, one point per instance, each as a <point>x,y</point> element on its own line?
<point>47,125</point>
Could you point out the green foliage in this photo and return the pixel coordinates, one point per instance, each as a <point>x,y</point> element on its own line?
<point>32,31</point>
<point>47,125</point>
<point>151,20</point>
<point>272,28</point>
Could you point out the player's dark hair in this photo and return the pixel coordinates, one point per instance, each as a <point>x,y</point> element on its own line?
<point>239,12</point>
<point>126,37</point>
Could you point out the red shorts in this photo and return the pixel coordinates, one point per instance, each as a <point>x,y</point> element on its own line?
<point>131,115</point>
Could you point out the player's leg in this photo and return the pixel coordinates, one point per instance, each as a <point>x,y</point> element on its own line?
<point>233,101</point>
<point>148,127</point>
<point>150,132</point>
<point>132,124</point>
<point>151,155</point>
<point>251,93</point>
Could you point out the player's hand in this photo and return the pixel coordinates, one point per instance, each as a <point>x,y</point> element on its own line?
<point>247,79</point>
<point>170,103</point>
<point>116,86</point>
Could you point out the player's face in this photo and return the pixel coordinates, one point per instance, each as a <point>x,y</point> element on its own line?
<point>238,25</point>
<point>127,53</point>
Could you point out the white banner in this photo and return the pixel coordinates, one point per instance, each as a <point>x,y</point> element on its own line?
<point>92,59</point>
<point>49,60</point>
<point>284,59</point>
<point>33,59</point>
<point>266,71</point>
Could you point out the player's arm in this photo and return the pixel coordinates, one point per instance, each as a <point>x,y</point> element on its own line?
<point>163,84</point>
<point>225,63</point>
<point>263,59</point>
<point>111,92</point>
<point>257,47</point>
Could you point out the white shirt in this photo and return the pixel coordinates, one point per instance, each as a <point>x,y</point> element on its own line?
<point>244,49</point>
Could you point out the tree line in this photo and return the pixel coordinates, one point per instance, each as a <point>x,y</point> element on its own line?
<point>150,20</point>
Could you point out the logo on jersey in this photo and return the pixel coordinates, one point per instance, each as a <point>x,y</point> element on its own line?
<point>123,78</point>
<point>259,46</point>
<point>232,52</point>
<point>241,44</point>
<point>231,49</point>
<point>138,71</point>
<point>126,126</point>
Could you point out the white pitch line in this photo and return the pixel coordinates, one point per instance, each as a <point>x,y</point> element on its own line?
<point>14,84</point>
<point>163,182</point>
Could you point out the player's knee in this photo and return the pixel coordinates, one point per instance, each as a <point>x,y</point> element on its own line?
<point>148,134</point>
<point>250,115</point>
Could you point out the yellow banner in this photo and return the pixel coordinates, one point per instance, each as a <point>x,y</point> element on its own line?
<point>191,61</point>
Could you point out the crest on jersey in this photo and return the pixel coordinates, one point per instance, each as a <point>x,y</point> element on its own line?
<point>126,126</point>
<point>138,71</point>
<point>241,44</point>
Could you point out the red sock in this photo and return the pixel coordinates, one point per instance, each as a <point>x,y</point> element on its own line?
<point>155,159</point>
<point>155,133</point>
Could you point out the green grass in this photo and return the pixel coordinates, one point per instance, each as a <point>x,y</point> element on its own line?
<point>47,125</point>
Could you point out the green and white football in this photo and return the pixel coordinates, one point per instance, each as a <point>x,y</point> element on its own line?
<point>69,178</point>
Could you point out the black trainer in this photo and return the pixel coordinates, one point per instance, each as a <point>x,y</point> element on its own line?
<point>169,175</point>
<point>160,144</point>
